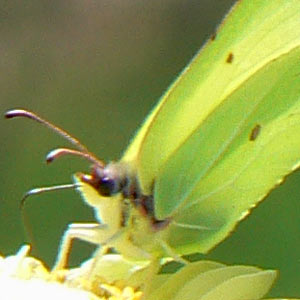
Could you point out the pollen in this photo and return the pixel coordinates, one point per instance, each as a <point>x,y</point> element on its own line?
<point>115,293</point>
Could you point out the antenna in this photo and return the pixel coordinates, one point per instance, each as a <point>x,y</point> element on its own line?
<point>83,151</point>
<point>56,153</point>
<point>37,191</point>
<point>40,190</point>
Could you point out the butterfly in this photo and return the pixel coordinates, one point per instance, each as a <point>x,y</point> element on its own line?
<point>225,133</point>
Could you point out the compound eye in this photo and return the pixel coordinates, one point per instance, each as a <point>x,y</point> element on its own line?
<point>108,186</point>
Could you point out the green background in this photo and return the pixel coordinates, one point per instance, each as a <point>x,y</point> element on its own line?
<point>96,68</point>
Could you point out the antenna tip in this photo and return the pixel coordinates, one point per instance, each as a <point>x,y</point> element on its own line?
<point>49,158</point>
<point>52,155</point>
<point>15,113</point>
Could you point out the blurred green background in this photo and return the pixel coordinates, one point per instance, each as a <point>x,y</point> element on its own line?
<point>96,68</point>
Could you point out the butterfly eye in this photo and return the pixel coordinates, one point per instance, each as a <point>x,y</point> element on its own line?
<point>108,186</point>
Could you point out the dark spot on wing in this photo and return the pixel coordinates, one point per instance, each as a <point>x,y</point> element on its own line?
<point>213,36</point>
<point>229,58</point>
<point>160,225</point>
<point>254,132</point>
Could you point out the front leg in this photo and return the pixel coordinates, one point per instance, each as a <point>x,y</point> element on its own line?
<point>90,232</point>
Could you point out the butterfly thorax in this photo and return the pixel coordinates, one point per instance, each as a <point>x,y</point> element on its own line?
<point>130,216</point>
<point>116,178</point>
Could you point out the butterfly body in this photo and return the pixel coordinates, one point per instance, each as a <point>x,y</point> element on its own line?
<point>128,214</point>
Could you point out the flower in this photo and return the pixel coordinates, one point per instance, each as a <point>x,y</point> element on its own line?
<point>111,277</point>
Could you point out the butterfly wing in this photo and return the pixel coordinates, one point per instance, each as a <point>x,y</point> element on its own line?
<point>253,34</point>
<point>226,132</point>
<point>234,159</point>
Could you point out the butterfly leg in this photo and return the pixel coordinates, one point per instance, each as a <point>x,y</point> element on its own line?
<point>171,253</point>
<point>93,232</point>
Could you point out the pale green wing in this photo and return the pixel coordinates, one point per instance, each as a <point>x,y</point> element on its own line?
<point>254,33</point>
<point>237,155</point>
<point>130,156</point>
<point>227,130</point>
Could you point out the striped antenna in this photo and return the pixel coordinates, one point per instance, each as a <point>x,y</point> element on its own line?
<point>83,151</point>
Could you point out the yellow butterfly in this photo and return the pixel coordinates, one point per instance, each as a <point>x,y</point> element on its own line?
<point>224,134</point>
